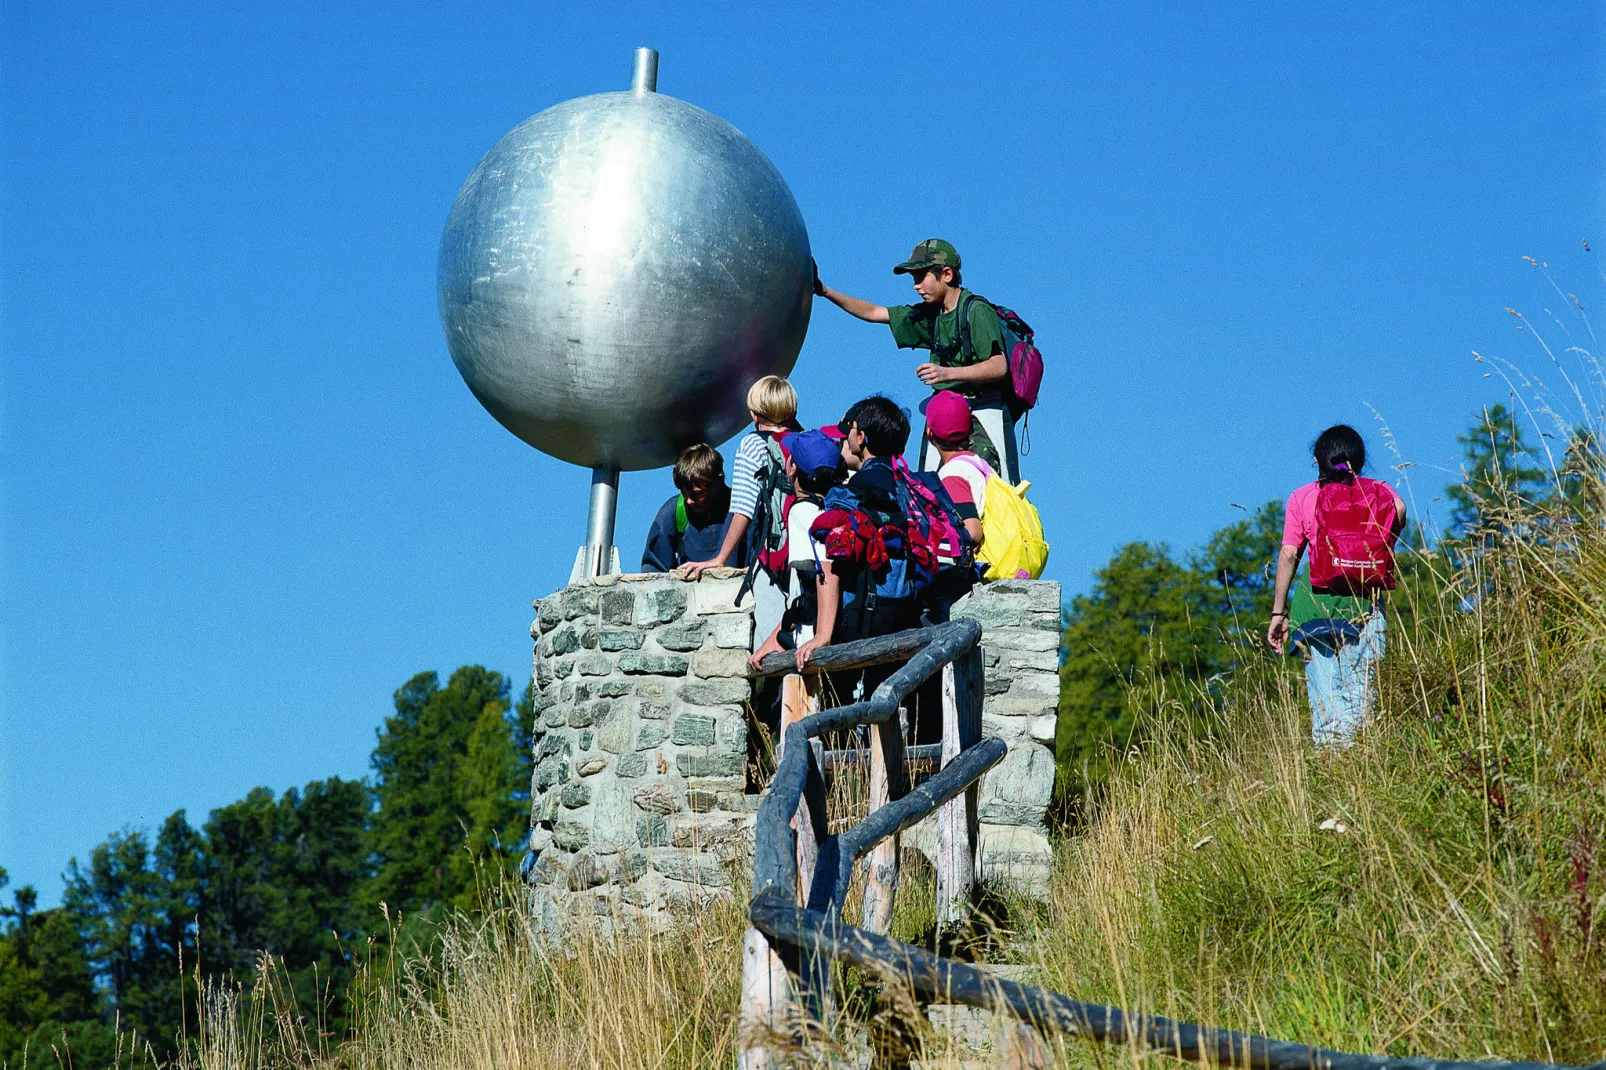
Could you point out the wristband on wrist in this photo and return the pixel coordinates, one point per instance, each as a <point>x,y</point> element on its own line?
<point>1280,613</point>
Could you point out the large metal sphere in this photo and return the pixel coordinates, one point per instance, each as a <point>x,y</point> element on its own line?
<point>616,272</point>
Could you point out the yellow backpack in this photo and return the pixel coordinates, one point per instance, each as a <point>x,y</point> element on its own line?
<point>1012,544</point>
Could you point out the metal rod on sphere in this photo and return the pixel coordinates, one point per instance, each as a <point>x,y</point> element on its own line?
<point>645,77</point>
<point>599,524</point>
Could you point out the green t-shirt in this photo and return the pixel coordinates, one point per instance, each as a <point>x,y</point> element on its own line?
<point>919,326</point>
<point>1306,604</point>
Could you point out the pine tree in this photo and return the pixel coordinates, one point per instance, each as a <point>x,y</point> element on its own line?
<point>432,798</point>
<point>1498,469</point>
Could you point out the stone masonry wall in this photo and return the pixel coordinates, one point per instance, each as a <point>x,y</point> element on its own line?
<point>1020,622</point>
<point>640,746</point>
<point>638,805</point>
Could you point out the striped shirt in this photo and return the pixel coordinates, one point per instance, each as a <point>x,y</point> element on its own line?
<point>751,455</point>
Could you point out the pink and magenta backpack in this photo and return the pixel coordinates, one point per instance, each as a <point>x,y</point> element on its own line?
<point>1353,552</point>
<point>1020,346</point>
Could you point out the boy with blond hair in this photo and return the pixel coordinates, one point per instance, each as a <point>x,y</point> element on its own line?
<point>691,525</point>
<point>759,470</point>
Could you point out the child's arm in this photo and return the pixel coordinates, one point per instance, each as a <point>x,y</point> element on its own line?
<point>767,647</point>
<point>855,306</point>
<point>830,599</point>
<point>994,367</point>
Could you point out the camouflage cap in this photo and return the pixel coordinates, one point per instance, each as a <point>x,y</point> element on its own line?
<point>933,252</point>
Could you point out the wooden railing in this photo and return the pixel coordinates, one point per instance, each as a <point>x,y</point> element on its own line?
<point>801,874</point>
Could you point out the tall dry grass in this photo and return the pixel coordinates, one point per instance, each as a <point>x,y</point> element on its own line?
<point>1439,888</point>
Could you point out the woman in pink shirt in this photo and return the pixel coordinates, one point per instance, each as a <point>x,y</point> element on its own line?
<point>1339,629</point>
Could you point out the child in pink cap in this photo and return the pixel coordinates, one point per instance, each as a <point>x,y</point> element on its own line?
<point>964,475</point>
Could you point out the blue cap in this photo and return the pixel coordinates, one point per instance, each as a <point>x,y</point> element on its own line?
<point>813,451</point>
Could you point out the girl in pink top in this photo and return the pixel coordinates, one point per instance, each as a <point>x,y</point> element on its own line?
<point>1341,636</point>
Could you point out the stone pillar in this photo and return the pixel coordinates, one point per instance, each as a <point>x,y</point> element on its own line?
<point>638,806</point>
<point>640,746</point>
<point>1020,622</point>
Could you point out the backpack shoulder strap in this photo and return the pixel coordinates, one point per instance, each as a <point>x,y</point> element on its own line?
<point>963,327</point>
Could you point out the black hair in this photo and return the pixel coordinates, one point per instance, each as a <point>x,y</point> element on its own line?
<point>1339,445</point>
<point>817,486</point>
<point>885,427</point>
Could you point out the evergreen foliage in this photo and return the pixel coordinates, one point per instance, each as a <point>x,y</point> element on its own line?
<point>1157,634</point>
<point>113,972</point>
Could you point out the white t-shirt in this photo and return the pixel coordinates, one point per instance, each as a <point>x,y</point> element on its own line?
<point>975,472</point>
<point>800,551</point>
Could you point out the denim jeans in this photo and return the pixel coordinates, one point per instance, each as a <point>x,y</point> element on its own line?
<point>1341,679</point>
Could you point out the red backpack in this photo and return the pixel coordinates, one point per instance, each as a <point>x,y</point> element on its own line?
<point>1353,552</point>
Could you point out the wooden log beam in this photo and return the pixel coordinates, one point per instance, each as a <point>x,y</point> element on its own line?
<point>886,785</point>
<point>860,654</point>
<point>957,821</point>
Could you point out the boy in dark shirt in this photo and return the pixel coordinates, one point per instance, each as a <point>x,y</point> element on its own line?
<point>691,525</point>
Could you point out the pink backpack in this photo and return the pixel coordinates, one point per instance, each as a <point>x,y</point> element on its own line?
<point>1020,346</point>
<point>1353,552</point>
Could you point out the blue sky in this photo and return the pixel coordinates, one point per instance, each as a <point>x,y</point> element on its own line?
<point>246,495</point>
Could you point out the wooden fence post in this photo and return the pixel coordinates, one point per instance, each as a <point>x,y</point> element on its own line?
<point>957,820</point>
<point>767,1000</point>
<point>881,868</point>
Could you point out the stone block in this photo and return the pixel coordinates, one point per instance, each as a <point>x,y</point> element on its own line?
<point>1025,777</point>
<point>1011,706</point>
<point>691,867</point>
<point>1043,727</point>
<point>731,631</point>
<point>548,618</point>
<point>580,602</point>
<point>652,688</point>
<point>1015,857</point>
<point>996,682</point>
<point>613,688</point>
<point>656,664</point>
<point>562,667</point>
<point>701,833</point>
<point>660,605</point>
<point>1045,622</point>
<point>588,637</point>
<point>595,665</point>
<point>1008,813</point>
<point>615,736</point>
<point>570,835</point>
<point>547,870</point>
<point>649,736</point>
<point>687,635</point>
<point>561,642</point>
<point>616,639</point>
<point>586,872</point>
<point>618,606</point>
<point>715,692</point>
<point>718,595</point>
<point>652,831</point>
<point>632,866</point>
<point>705,793</point>
<point>587,738</point>
<point>576,795</point>
<point>1044,686</point>
<point>653,711</point>
<point>702,802</point>
<point>631,765</point>
<point>540,837</point>
<point>658,797</point>
<point>592,766</point>
<point>613,818</point>
<point>555,717</point>
<point>544,675</point>
<point>1034,660</point>
<point>693,730</point>
<point>991,612</point>
<point>1045,594</point>
<point>691,765</point>
<point>1013,590</point>
<point>1021,639</point>
<point>733,733</point>
<point>712,663</point>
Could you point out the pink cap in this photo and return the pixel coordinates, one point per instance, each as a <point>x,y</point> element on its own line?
<point>948,417</point>
<point>833,432</point>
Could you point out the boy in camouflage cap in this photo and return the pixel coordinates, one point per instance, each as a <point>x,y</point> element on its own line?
<point>978,370</point>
